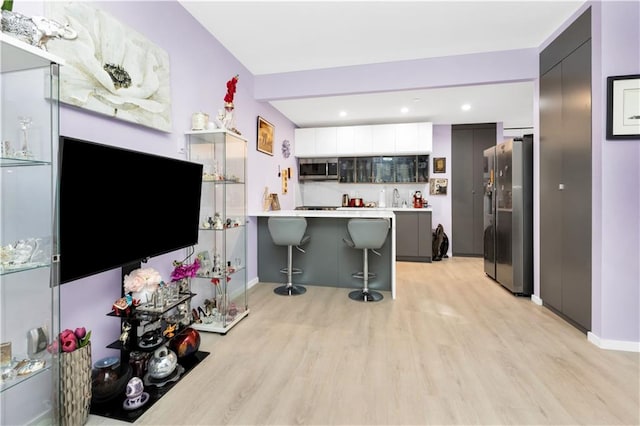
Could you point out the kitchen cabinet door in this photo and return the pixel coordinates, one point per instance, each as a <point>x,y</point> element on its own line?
<point>363,139</point>
<point>413,236</point>
<point>425,138</point>
<point>345,140</point>
<point>325,142</point>
<point>384,139</point>
<point>305,143</point>
<point>406,138</point>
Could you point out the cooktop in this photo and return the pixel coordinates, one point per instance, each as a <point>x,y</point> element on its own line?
<point>316,208</point>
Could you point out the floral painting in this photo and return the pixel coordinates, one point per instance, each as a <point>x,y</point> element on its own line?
<point>111,69</point>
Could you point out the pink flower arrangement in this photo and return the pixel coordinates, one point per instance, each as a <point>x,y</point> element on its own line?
<point>142,279</point>
<point>183,270</point>
<point>69,340</point>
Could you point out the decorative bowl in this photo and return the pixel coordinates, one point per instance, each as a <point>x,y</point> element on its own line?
<point>109,382</point>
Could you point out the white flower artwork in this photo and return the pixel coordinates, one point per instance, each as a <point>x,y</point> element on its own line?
<point>111,69</point>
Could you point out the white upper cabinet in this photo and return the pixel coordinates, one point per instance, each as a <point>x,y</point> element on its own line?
<point>326,141</point>
<point>384,139</point>
<point>406,138</point>
<point>305,143</point>
<point>354,141</point>
<point>425,138</point>
<point>413,138</point>
<point>380,139</point>
<point>345,140</point>
<point>363,140</point>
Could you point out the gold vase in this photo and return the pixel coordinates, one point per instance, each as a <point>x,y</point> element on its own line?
<point>75,386</point>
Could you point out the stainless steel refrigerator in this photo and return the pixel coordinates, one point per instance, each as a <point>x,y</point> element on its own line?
<point>508,214</point>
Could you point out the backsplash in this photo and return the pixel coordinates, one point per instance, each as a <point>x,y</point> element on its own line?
<point>330,193</point>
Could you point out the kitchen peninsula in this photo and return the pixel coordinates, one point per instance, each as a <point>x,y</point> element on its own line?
<point>328,260</point>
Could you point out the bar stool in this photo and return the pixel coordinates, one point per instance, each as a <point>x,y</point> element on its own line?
<point>289,231</point>
<point>366,234</point>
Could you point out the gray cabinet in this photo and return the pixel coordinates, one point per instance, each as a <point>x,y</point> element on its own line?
<point>468,142</point>
<point>413,236</point>
<point>565,173</point>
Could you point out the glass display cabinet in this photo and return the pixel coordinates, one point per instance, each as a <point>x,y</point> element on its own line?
<point>29,292</point>
<point>221,281</point>
<point>384,169</point>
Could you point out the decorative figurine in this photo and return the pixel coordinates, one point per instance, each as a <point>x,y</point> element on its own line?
<point>217,221</point>
<point>124,336</point>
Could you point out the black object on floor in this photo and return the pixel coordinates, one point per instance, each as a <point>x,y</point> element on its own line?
<point>113,409</point>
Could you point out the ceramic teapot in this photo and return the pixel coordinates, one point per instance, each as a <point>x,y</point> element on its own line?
<point>162,363</point>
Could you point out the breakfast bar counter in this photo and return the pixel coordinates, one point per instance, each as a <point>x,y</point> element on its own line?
<point>328,260</point>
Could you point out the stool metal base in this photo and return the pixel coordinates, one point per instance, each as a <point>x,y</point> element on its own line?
<point>292,290</point>
<point>365,296</point>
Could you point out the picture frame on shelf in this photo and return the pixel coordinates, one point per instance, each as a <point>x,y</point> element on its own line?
<point>623,107</point>
<point>275,203</point>
<point>439,165</point>
<point>266,133</point>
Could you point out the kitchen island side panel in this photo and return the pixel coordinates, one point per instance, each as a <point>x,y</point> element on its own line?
<point>327,261</point>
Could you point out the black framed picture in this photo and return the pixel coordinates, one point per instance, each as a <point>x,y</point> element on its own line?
<point>623,107</point>
<point>266,132</point>
<point>439,165</point>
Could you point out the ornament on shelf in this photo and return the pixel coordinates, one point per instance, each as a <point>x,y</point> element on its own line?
<point>225,118</point>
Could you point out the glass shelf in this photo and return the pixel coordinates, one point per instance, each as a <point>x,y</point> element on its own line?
<point>22,162</point>
<point>6,384</point>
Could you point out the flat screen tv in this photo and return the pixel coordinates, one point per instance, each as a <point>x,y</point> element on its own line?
<point>118,206</point>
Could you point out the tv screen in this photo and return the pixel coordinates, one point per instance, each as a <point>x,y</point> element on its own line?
<point>117,206</point>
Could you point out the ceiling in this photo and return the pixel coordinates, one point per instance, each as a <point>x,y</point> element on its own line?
<point>271,37</point>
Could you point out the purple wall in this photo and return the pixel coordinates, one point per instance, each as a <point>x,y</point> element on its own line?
<point>618,316</point>
<point>200,67</point>
<point>460,70</point>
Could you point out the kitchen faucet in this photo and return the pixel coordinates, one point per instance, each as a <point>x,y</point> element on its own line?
<point>396,197</point>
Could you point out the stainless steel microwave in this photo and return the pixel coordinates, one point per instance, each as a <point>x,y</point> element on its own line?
<point>318,169</point>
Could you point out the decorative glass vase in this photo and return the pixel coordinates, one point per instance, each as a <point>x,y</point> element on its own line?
<point>75,386</point>
<point>145,296</point>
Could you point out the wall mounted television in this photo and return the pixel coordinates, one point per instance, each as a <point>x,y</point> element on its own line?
<point>118,206</point>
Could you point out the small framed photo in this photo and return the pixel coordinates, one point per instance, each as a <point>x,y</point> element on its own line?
<point>623,107</point>
<point>275,203</point>
<point>438,186</point>
<point>439,165</point>
<point>266,133</point>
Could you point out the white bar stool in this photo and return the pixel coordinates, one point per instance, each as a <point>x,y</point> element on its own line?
<point>289,231</point>
<point>366,234</point>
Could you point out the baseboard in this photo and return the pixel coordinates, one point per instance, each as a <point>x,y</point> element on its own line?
<point>535,299</point>
<point>616,345</point>
<point>252,282</point>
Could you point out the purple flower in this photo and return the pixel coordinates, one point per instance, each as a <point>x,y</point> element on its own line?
<point>80,332</point>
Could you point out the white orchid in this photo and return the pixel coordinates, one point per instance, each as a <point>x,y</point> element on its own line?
<point>110,68</point>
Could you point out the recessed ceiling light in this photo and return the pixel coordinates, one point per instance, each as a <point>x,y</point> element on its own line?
<point>404,110</point>
<point>466,107</point>
<point>343,113</point>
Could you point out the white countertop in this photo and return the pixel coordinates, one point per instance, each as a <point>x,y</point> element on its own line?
<point>391,209</point>
<point>346,213</point>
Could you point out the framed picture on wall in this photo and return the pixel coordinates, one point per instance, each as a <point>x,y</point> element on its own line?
<point>438,186</point>
<point>439,165</point>
<point>266,133</point>
<point>623,107</point>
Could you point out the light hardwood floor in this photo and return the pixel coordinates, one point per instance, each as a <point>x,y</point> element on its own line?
<point>453,348</point>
